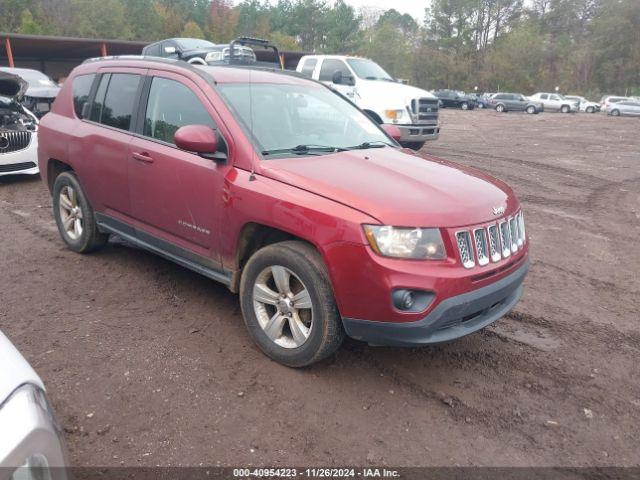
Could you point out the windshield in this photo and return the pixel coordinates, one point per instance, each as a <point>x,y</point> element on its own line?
<point>288,120</point>
<point>368,70</point>
<point>194,43</point>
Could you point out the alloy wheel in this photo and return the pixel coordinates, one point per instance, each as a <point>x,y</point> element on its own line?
<point>70,213</point>
<point>283,306</point>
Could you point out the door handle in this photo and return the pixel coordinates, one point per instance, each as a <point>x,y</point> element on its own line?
<point>143,157</point>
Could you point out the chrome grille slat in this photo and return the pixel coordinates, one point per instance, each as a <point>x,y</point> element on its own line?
<point>505,238</point>
<point>464,247</point>
<point>481,243</point>
<point>426,109</point>
<point>513,228</point>
<point>494,243</point>
<point>14,141</point>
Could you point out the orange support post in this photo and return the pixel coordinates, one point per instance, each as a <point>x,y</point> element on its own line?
<point>7,46</point>
<point>282,61</point>
<point>103,49</point>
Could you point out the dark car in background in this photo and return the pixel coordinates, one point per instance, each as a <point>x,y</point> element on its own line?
<point>41,90</point>
<point>514,102</point>
<point>202,52</point>
<point>454,99</point>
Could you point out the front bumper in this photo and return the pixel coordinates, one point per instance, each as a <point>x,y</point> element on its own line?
<point>452,318</point>
<point>419,132</point>
<point>21,162</point>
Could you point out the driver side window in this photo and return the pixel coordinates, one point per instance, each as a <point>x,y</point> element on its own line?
<point>172,105</point>
<point>330,66</point>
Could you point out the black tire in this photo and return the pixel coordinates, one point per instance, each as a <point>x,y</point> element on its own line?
<point>464,106</point>
<point>90,238</point>
<point>590,110</point>
<point>480,105</point>
<point>531,110</point>
<point>500,108</point>
<point>413,145</point>
<point>615,113</point>
<point>565,109</point>
<point>326,333</point>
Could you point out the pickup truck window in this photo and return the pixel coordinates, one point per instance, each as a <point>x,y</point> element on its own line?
<point>309,66</point>
<point>330,66</point>
<point>368,70</point>
<point>282,117</point>
<point>172,105</point>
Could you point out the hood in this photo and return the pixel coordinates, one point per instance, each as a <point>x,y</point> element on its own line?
<point>392,90</point>
<point>396,187</point>
<point>15,370</point>
<point>42,92</point>
<point>12,86</point>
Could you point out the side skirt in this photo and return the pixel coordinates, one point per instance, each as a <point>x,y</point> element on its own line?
<point>202,265</point>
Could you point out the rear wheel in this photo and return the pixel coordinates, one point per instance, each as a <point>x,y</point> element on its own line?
<point>500,108</point>
<point>565,109</point>
<point>531,109</point>
<point>413,145</point>
<point>481,105</point>
<point>288,306</point>
<point>615,113</point>
<point>464,106</point>
<point>74,215</point>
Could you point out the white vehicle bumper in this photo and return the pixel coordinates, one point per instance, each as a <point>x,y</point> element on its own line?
<point>418,132</point>
<point>23,161</point>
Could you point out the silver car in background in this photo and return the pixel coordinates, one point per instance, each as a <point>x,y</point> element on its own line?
<point>624,108</point>
<point>31,442</point>
<point>556,102</point>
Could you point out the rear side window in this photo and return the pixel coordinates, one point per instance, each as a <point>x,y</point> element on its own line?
<point>309,66</point>
<point>115,100</point>
<point>330,66</point>
<point>172,105</point>
<point>500,97</point>
<point>81,89</point>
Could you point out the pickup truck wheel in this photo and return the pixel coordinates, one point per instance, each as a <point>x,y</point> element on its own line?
<point>413,145</point>
<point>288,306</point>
<point>500,108</point>
<point>464,106</point>
<point>565,109</point>
<point>531,109</point>
<point>74,215</point>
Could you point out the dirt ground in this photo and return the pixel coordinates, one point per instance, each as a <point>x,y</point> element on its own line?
<point>147,363</point>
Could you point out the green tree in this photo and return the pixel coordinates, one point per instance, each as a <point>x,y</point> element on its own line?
<point>28,25</point>
<point>342,29</point>
<point>191,30</point>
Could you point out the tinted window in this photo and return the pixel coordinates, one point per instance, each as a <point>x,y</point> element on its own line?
<point>309,66</point>
<point>544,96</point>
<point>153,50</point>
<point>500,97</point>
<point>119,100</point>
<point>98,101</point>
<point>81,89</point>
<point>172,105</point>
<point>330,66</point>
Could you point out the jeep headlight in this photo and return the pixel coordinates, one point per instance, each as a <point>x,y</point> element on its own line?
<point>394,114</point>
<point>409,243</point>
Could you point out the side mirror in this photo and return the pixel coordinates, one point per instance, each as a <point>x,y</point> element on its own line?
<point>393,131</point>
<point>337,77</point>
<point>169,50</point>
<point>200,139</point>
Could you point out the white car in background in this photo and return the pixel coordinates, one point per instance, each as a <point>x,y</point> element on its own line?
<point>413,110</point>
<point>31,442</point>
<point>583,104</point>
<point>18,129</point>
<point>555,102</point>
<point>608,100</point>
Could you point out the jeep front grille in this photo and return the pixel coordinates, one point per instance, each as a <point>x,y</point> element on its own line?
<point>491,243</point>
<point>13,141</point>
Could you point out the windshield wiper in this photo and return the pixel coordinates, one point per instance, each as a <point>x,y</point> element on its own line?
<point>367,145</point>
<point>304,150</point>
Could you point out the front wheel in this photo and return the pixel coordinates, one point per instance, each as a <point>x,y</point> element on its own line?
<point>590,110</point>
<point>565,109</point>
<point>615,113</point>
<point>500,108</point>
<point>413,145</point>
<point>464,106</point>
<point>531,109</point>
<point>74,215</point>
<point>481,105</point>
<point>288,306</point>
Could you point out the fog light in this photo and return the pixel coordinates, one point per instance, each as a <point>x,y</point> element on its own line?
<point>411,300</point>
<point>407,300</point>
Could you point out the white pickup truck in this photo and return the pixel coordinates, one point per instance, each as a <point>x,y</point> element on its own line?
<point>365,83</point>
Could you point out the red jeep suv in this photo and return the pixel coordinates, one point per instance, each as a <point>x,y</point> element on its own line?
<point>283,190</point>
